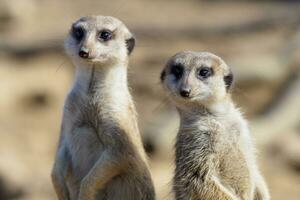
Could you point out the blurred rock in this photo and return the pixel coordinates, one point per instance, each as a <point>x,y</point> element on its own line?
<point>291,52</point>
<point>283,112</point>
<point>5,17</point>
<point>8,191</point>
<point>257,79</point>
<point>36,99</point>
<point>286,146</point>
<point>160,133</point>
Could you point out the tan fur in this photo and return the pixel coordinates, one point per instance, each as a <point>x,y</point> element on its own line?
<point>100,154</point>
<point>215,157</point>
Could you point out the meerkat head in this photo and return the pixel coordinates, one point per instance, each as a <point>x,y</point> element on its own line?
<point>99,40</point>
<point>196,77</point>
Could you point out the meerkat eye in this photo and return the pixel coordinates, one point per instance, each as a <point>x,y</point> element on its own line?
<point>78,33</point>
<point>177,70</point>
<point>105,35</point>
<point>204,72</point>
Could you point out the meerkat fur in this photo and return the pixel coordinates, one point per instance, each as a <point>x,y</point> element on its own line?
<point>215,155</point>
<point>100,154</point>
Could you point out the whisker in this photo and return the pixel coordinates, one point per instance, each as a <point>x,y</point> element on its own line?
<point>60,65</point>
<point>162,104</point>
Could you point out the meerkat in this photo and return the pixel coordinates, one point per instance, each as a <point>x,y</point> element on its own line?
<point>214,156</point>
<point>100,154</point>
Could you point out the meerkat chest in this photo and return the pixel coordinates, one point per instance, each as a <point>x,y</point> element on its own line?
<point>194,144</point>
<point>87,132</point>
<point>235,158</point>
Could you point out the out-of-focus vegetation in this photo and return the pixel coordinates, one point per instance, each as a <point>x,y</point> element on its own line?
<point>260,40</point>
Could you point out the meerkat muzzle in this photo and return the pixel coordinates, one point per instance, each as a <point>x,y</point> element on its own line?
<point>185,92</point>
<point>84,52</point>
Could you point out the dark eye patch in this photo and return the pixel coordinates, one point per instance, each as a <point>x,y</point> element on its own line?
<point>177,70</point>
<point>105,35</point>
<point>77,33</point>
<point>204,72</point>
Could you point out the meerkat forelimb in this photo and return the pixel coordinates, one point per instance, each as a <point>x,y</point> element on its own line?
<point>215,157</point>
<point>60,172</point>
<point>100,154</point>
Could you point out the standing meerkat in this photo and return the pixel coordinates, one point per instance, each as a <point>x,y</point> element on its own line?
<point>215,157</point>
<point>100,153</point>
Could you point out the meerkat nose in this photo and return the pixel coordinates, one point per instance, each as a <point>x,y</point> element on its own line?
<point>185,92</point>
<point>83,52</point>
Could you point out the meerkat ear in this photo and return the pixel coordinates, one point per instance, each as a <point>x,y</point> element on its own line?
<point>162,75</point>
<point>130,44</point>
<point>228,79</point>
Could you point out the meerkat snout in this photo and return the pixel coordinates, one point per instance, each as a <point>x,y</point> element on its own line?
<point>185,92</point>
<point>197,77</point>
<point>83,52</point>
<point>99,39</point>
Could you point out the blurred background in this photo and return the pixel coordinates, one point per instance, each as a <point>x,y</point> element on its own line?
<point>260,40</point>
